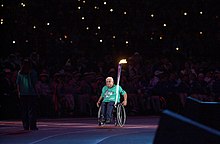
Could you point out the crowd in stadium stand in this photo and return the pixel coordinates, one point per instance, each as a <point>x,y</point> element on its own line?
<point>72,88</point>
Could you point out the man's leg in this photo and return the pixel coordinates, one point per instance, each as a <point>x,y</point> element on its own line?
<point>24,112</point>
<point>110,107</point>
<point>103,111</point>
<point>33,113</point>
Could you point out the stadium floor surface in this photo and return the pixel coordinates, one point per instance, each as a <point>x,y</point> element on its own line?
<point>137,130</point>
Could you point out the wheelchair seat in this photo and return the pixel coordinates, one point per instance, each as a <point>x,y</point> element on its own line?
<point>118,115</point>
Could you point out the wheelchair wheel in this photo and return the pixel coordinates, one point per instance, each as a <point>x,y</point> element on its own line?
<point>120,115</point>
<point>99,117</point>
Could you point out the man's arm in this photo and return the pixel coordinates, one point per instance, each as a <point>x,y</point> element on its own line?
<point>125,99</point>
<point>18,91</point>
<point>99,100</point>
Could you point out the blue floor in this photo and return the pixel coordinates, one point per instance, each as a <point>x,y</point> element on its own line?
<point>137,130</point>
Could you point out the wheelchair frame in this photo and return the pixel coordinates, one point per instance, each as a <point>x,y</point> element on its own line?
<point>118,115</point>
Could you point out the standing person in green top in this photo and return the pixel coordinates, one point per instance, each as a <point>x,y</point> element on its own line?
<point>26,80</point>
<point>108,97</point>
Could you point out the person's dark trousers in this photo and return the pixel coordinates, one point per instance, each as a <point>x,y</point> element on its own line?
<point>106,109</point>
<point>29,112</point>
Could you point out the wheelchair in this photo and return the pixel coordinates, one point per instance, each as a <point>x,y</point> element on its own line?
<point>118,115</point>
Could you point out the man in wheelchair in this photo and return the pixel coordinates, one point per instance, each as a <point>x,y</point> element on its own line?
<point>108,98</point>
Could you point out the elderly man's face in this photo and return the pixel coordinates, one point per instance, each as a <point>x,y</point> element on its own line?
<point>109,83</point>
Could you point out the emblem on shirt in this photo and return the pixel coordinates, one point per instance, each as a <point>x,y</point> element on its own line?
<point>108,94</point>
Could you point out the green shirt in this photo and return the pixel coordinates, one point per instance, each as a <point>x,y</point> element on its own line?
<point>109,94</point>
<point>26,83</point>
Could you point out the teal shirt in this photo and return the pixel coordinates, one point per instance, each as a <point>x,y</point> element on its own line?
<point>109,94</point>
<point>26,84</point>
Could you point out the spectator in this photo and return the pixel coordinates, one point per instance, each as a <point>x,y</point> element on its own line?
<point>45,94</point>
<point>26,80</point>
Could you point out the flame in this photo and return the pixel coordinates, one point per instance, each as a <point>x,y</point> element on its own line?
<point>123,61</point>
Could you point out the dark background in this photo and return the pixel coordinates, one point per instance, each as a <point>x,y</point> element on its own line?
<point>67,32</point>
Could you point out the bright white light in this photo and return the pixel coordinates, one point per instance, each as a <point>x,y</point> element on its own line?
<point>99,27</point>
<point>105,3</point>
<point>48,24</point>
<point>83,18</point>
<point>96,7</point>
<point>123,61</point>
<point>23,4</point>
<point>34,27</point>
<point>177,48</point>
<point>161,37</point>
<point>126,42</point>
<point>79,7</point>
<point>111,10</point>
<point>185,13</point>
<point>201,33</point>
<point>164,25</point>
<point>151,38</point>
<point>87,28</point>
<point>2,22</point>
<point>84,1</point>
<point>113,37</point>
<point>152,15</point>
<point>100,41</point>
<point>2,5</point>
<point>13,42</point>
<point>125,13</point>
<point>65,36</point>
<point>201,12</point>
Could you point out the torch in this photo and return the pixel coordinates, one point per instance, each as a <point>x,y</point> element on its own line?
<point>123,61</point>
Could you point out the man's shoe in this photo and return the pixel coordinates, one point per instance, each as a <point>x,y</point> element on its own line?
<point>102,119</point>
<point>108,121</point>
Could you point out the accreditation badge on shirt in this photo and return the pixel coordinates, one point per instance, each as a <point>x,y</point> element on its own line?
<point>108,94</point>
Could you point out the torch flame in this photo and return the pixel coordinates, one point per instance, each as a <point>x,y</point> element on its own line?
<point>123,61</point>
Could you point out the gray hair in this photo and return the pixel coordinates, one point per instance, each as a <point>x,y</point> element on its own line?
<point>110,79</point>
